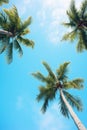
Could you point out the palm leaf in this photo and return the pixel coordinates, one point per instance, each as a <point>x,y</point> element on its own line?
<point>39,76</point>
<point>82,43</point>
<point>45,105</point>
<point>47,94</point>
<point>62,71</point>
<point>26,42</point>
<point>24,25</point>
<point>9,55</point>
<point>18,47</point>
<point>73,13</point>
<point>83,9</point>
<point>74,101</point>
<point>76,83</point>
<point>63,108</point>
<point>4,1</point>
<point>13,17</point>
<point>52,75</point>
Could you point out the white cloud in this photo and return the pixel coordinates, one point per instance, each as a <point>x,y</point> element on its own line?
<point>53,120</point>
<point>52,14</point>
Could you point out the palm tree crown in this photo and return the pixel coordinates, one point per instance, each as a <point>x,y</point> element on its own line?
<point>78,24</point>
<point>57,82</point>
<point>12,32</point>
<point>3,1</point>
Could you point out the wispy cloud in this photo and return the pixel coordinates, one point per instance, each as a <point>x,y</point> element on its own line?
<point>52,14</point>
<point>52,119</point>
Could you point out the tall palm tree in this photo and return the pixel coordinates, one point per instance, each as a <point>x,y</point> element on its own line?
<point>78,25</point>
<point>12,32</point>
<point>59,82</point>
<point>3,1</point>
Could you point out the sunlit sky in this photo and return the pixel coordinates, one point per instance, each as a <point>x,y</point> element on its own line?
<point>19,109</point>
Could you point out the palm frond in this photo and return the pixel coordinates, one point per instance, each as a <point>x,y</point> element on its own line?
<point>62,71</point>
<point>83,9</point>
<point>42,93</point>
<point>39,76</point>
<point>18,47</point>
<point>3,19</point>
<point>9,55</point>
<point>26,31</point>
<point>26,42</point>
<point>24,25</point>
<point>70,24</point>
<point>82,41</point>
<point>73,13</point>
<point>45,105</point>
<point>63,108</point>
<point>3,1</point>
<point>76,83</point>
<point>47,94</point>
<point>52,75</point>
<point>74,101</point>
<point>13,17</point>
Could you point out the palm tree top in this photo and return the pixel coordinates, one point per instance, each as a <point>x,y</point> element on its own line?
<point>54,82</point>
<point>78,24</point>
<point>13,31</point>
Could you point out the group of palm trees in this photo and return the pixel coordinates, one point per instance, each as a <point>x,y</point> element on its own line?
<point>12,32</point>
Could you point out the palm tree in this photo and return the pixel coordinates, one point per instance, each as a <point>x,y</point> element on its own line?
<point>12,32</point>
<point>78,24</point>
<point>4,1</point>
<point>60,83</point>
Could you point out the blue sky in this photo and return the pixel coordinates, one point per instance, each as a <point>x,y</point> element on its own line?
<point>18,107</point>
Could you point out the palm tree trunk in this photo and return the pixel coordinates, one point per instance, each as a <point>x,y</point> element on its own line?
<point>72,113</point>
<point>6,33</point>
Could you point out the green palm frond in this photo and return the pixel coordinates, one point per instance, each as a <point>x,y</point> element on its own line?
<point>18,47</point>
<point>70,24</point>
<point>74,101</point>
<point>3,19</point>
<point>26,42</point>
<point>9,55</point>
<point>3,1</point>
<point>73,13</point>
<point>47,94</point>
<point>24,25</point>
<point>45,105</point>
<point>62,71</point>
<point>63,108</point>
<point>42,93</point>
<point>4,41</point>
<point>82,42</point>
<point>52,75</point>
<point>39,76</point>
<point>76,83</point>
<point>13,17</point>
<point>2,47</point>
<point>26,31</point>
<point>83,9</point>
<point>70,36</point>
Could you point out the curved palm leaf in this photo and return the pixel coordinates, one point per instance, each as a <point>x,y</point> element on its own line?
<point>76,83</point>
<point>63,108</point>
<point>9,55</point>
<point>49,70</point>
<point>74,101</point>
<point>62,71</point>
<point>47,94</point>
